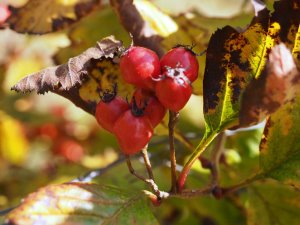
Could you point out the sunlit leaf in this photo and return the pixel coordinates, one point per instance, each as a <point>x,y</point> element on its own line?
<point>81,79</point>
<point>13,143</point>
<point>160,22</point>
<point>39,17</point>
<point>95,26</point>
<point>234,59</point>
<point>217,8</point>
<point>272,204</point>
<point>196,29</point>
<point>82,203</point>
<point>280,146</point>
<point>277,84</point>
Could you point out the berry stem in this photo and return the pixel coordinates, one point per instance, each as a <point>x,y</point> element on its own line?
<point>160,194</point>
<point>147,162</point>
<point>173,118</point>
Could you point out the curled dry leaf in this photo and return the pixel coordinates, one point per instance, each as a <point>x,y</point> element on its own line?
<point>73,79</point>
<point>39,17</point>
<point>277,85</point>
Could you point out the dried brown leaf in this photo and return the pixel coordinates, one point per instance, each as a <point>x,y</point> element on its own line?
<point>66,79</point>
<point>39,17</point>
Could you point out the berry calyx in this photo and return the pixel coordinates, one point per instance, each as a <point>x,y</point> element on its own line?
<point>153,109</point>
<point>109,109</point>
<point>173,92</point>
<point>133,132</point>
<point>181,57</point>
<point>139,66</point>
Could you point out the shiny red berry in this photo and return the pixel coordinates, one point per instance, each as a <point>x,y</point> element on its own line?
<point>4,12</point>
<point>107,112</point>
<point>181,57</point>
<point>139,65</point>
<point>173,92</point>
<point>133,132</point>
<point>153,109</point>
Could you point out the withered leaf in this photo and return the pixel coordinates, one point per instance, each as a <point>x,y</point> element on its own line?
<point>40,17</point>
<point>71,78</point>
<point>277,85</point>
<point>235,58</point>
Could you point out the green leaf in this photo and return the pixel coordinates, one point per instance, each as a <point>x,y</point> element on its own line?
<point>233,59</point>
<point>280,146</point>
<point>82,203</point>
<point>272,204</point>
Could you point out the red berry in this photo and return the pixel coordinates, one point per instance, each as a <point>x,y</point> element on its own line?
<point>173,92</point>
<point>70,149</point>
<point>108,112</point>
<point>139,65</point>
<point>4,13</point>
<point>153,108</point>
<point>133,132</point>
<point>181,57</point>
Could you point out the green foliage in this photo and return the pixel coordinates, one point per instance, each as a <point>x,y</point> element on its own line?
<point>280,147</point>
<point>77,203</point>
<point>265,207</point>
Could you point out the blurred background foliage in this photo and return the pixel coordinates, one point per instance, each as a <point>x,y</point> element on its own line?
<point>46,139</point>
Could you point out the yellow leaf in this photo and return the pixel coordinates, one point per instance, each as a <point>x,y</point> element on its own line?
<point>39,17</point>
<point>13,143</point>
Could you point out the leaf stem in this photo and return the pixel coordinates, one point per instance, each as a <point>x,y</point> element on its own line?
<point>207,139</point>
<point>173,118</point>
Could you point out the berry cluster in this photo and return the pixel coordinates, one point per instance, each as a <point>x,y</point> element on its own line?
<point>160,85</point>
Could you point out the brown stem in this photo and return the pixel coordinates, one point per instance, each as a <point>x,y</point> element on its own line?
<point>243,184</point>
<point>173,118</point>
<point>160,194</point>
<point>192,193</point>
<point>222,191</point>
<point>147,162</point>
<point>133,22</point>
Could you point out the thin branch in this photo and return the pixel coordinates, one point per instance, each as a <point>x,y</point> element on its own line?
<point>160,194</point>
<point>133,22</point>
<point>6,211</point>
<point>98,172</point>
<point>193,193</point>
<point>147,162</point>
<point>173,118</point>
<point>234,188</point>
